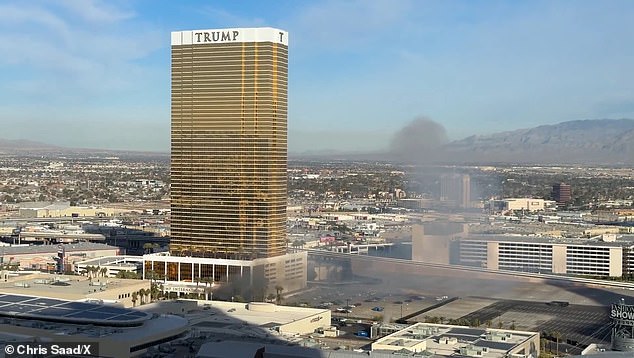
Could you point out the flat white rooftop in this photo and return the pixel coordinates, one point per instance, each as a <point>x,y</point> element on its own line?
<point>446,340</point>
<point>238,312</point>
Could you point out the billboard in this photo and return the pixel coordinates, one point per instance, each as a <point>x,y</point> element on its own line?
<point>622,314</point>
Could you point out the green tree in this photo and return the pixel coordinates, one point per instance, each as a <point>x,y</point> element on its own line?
<point>147,247</point>
<point>127,275</point>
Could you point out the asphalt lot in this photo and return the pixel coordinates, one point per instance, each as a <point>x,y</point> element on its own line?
<point>392,305</point>
<point>513,303</point>
<point>580,323</point>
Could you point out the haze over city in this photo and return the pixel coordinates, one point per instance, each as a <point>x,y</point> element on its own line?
<point>336,179</point>
<point>96,74</point>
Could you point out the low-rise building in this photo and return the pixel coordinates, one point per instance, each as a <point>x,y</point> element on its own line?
<point>76,288</point>
<point>115,332</point>
<point>112,264</point>
<point>54,258</point>
<point>447,341</point>
<point>570,256</point>
<point>64,209</point>
<point>418,340</point>
<point>237,319</point>
<point>260,275</point>
<point>522,204</point>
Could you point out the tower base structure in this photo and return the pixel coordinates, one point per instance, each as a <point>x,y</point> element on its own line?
<point>226,278</point>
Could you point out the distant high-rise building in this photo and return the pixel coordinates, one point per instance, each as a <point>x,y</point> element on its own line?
<point>228,168</point>
<point>562,193</point>
<point>229,146</point>
<point>456,189</point>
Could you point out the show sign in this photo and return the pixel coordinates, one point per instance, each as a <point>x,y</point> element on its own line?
<point>622,314</point>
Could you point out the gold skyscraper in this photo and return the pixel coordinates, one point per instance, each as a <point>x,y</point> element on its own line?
<point>229,143</point>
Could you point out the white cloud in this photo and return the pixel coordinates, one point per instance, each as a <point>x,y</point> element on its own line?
<point>95,11</point>
<point>94,59</point>
<point>25,17</point>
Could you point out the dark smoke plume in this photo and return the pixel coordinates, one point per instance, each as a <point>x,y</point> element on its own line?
<point>419,141</point>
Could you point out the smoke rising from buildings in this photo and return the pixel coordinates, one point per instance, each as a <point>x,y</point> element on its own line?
<point>419,141</point>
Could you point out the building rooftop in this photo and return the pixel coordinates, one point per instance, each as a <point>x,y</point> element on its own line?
<point>39,205</point>
<point>64,311</point>
<point>123,261</point>
<point>113,340</point>
<point>445,340</point>
<point>266,315</point>
<point>42,249</point>
<point>621,241</point>
<point>62,286</point>
<point>248,349</point>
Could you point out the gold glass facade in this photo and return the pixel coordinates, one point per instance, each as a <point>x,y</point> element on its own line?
<point>229,149</point>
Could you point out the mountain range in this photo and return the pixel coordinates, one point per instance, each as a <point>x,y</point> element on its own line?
<point>25,147</point>
<point>595,141</point>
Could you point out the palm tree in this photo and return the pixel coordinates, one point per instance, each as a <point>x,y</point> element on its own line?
<point>557,336</point>
<point>147,247</point>
<point>240,252</point>
<point>142,296</point>
<point>134,298</point>
<point>104,271</point>
<point>278,296</point>
<point>197,280</point>
<point>154,291</point>
<point>209,282</point>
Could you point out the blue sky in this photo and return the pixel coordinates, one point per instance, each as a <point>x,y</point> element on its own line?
<point>96,73</point>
